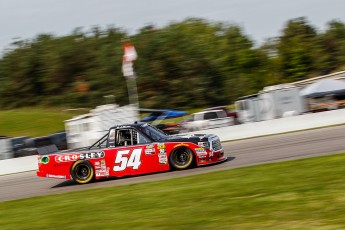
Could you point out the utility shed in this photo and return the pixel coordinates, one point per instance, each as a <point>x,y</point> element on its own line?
<point>86,129</point>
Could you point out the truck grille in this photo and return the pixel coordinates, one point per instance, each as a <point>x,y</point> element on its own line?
<point>216,145</point>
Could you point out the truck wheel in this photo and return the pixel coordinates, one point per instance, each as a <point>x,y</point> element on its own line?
<point>181,158</point>
<point>82,172</point>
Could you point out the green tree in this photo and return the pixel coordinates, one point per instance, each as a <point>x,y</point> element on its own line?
<point>295,50</point>
<point>332,48</point>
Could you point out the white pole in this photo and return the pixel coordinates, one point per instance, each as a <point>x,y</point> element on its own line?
<point>132,91</point>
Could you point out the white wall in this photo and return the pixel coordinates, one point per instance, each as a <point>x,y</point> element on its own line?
<point>15,165</point>
<point>281,125</point>
<point>287,124</point>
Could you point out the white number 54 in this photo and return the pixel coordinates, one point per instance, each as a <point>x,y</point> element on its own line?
<point>122,161</point>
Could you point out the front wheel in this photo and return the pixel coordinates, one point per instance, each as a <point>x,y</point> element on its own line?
<point>82,172</point>
<point>181,158</point>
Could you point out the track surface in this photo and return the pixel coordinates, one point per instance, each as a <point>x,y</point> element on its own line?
<point>240,153</point>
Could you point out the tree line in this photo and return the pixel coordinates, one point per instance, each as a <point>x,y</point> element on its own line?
<point>192,63</point>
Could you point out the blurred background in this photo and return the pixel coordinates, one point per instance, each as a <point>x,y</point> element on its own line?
<point>192,55</point>
<point>189,64</point>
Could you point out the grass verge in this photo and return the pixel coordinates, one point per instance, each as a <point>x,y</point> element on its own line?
<point>33,121</point>
<point>300,194</point>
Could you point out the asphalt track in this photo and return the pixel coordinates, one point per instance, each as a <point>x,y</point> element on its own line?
<point>240,153</point>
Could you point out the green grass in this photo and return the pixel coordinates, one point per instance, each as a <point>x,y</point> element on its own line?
<point>300,194</point>
<point>33,121</point>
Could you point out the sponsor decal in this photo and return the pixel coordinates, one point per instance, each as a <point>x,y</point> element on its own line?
<point>202,158</point>
<point>181,145</point>
<point>162,152</point>
<point>92,155</point>
<point>161,146</point>
<point>163,159</point>
<point>100,165</point>
<point>56,176</point>
<point>102,172</point>
<point>210,154</point>
<point>78,156</point>
<point>150,146</point>
<point>101,169</point>
<point>201,152</point>
<point>149,151</point>
<point>67,157</point>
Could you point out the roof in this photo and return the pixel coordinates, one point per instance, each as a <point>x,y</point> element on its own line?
<point>207,111</point>
<point>222,107</point>
<point>324,87</point>
<point>248,96</point>
<point>135,125</point>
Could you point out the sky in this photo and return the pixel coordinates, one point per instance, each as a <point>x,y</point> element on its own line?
<point>260,19</point>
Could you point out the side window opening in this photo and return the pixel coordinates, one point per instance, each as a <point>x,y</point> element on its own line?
<point>221,114</point>
<point>111,138</point>
<point>126,137</point>
<point>211,115</point>
<point>123,137</point>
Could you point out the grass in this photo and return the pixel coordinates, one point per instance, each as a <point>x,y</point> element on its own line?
<point>33,121</point>
<point>300,194</point>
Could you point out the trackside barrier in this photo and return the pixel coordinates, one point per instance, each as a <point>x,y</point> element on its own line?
<point>282,125</point>
<point>20,164</point>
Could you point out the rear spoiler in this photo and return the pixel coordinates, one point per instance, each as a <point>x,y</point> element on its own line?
<point>47,150</point>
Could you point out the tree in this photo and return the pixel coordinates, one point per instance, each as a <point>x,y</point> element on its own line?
<point>332,48</point>
<point>187,64</point>
<point>295,50</point>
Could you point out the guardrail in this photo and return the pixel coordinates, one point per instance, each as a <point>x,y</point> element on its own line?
<point>282,125</point>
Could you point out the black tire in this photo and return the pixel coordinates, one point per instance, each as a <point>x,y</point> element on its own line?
<point>181,158</point>
<point>82,172</point>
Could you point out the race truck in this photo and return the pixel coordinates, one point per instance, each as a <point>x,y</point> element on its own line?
<point>131,149</point>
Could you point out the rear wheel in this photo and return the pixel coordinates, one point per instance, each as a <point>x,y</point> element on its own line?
<point>181,158</point>
<point>82,172</point>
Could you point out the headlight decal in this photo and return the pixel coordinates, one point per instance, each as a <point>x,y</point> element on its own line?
<point>45,160</point>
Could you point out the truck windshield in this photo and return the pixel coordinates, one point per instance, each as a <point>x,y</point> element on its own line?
<point>154,133</point>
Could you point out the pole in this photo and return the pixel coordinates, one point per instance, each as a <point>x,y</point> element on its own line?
<point>132,91</point>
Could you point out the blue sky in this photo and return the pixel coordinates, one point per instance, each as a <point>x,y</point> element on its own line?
<point>260,19</point>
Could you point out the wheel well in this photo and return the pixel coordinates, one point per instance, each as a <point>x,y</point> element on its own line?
<point>81,161</point>
<point>181,148</point>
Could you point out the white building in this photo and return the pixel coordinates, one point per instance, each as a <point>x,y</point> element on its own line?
<point>86,129</point>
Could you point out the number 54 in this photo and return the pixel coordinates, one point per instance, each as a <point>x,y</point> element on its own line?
<point>122,161</point>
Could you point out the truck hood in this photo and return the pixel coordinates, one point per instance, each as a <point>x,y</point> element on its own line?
<point>194,138</point>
